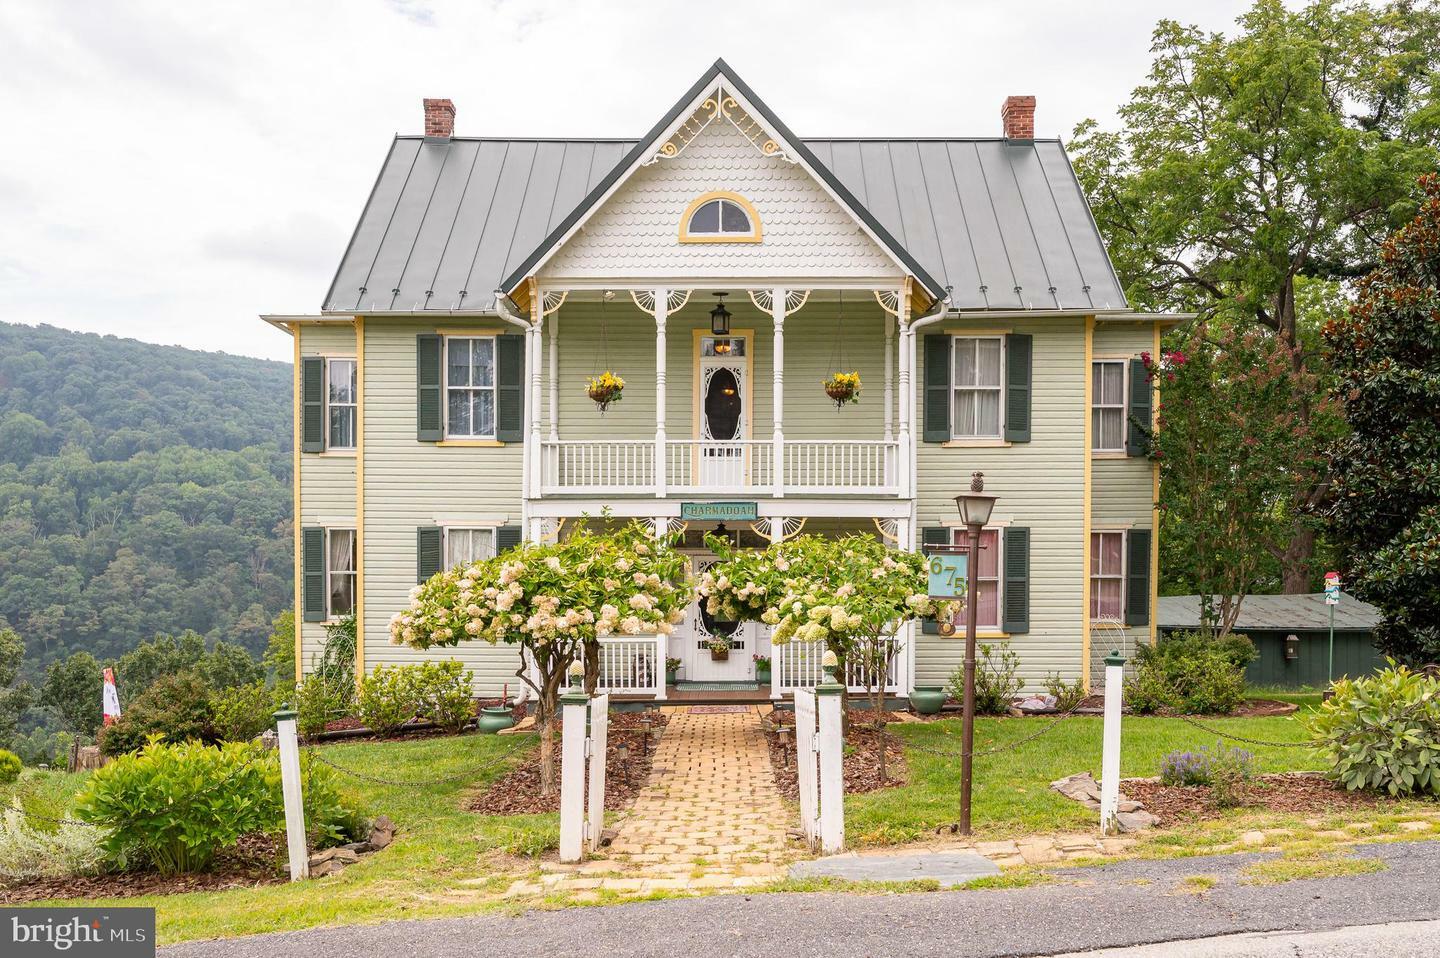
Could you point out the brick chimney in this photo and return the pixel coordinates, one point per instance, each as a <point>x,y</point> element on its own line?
<point>439,118</point>
<point>1017,116</point>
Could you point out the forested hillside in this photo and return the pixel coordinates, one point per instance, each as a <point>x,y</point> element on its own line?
<point>143,489</point>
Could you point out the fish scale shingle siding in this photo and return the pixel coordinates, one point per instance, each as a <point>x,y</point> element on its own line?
<point>806,232</point>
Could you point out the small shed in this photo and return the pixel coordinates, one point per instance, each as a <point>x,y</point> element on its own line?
<point>1269,619</point>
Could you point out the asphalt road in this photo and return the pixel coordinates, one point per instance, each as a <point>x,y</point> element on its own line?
<point>1117,906</point>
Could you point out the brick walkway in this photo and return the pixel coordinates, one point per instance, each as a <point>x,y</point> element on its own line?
<point>709,817</point>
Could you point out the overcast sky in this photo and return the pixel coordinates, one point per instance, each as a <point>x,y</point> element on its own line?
<point>173,169</point>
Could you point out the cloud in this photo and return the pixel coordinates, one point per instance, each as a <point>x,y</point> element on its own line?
<point>304,243</point>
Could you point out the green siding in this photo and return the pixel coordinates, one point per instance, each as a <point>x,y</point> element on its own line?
<point>1355,655</point>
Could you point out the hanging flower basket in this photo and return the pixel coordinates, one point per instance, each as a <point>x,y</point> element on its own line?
<point>843,388</point>
<point>605,389</point>
<point>719,648</point>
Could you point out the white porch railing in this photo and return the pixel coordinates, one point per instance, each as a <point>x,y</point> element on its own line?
<point>797,665</point>
<point>745,467</point>
<point>629,665</point>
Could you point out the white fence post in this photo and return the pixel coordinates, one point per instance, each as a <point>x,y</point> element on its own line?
<point>832,772</point>
<point>805,774</point>
<point>296,847</point>
<point>573,709</point>
<point>596,750</point>
<point>1110,759</point>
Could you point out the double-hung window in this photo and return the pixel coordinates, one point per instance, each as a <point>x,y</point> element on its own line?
<point>987,580</point>
<point>1107,405</point>
<point>340,393</point>
<point>976,380</point>
<point>470,387</point>
<point>1107,576</point>
<point>464,546</point>
<point>339,572</point>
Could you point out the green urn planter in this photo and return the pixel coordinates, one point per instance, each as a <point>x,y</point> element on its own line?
<point>493,718</point>
<point>762,675</point>
<point>927,699</point>
<point>672,676</point>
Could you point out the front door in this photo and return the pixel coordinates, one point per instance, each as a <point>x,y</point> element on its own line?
<point>724,418</point>
<point>700,628</point>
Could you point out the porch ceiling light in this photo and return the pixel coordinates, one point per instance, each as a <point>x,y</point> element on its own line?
<point>976,505</point>
<point>720,317</point>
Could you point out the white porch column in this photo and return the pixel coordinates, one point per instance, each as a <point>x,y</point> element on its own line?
<point>555,376</point>
<point>777,528</point>
<point>907,396</point>
<point>777,315</point>
<point>533,405</point>
<point>889,379</point>
<point>909,633</point>
<point>662,312</point>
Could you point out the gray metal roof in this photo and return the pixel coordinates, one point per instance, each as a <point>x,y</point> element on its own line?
<point>1004,224</point>
<point>1274,613</point>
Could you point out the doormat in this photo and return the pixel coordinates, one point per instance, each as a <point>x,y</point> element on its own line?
<point>718,709</point>
<point>716,687</point>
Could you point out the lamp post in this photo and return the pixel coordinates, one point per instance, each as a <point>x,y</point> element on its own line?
<point>975,507</point>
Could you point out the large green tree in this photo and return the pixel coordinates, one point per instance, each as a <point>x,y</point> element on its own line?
<point>1385,505</point>
<point>1249,164</point>
<point>14,698</point>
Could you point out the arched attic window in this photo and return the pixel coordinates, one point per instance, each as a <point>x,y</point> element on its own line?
<point>720,217</point>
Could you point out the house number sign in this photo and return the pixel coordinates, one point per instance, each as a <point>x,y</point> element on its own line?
<point>947,571</point>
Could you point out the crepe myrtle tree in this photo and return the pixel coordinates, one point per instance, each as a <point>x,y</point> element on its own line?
<point>851,593</point>
<point>555,601</point>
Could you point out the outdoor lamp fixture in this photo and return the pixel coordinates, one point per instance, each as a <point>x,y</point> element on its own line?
<point>1292,646</point>
<point>975,507</point>
<point>720,317</point>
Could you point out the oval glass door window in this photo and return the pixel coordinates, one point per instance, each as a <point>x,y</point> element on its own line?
<point>722,405</point>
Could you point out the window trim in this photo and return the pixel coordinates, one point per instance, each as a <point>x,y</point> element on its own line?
<point>756,233</point>
<point>1092,575</point>
<point>354,573</point>
<point>1123,405</point>
<point>354,405</point>
<point>999,435</point>
<point>959,535</point>
<point>494,388</point>
<point>459,527</point>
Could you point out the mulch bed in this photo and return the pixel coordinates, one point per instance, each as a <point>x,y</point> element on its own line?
<point>412,730</point>
<point>252,863</point>
<point>862,766</point>
<point>1298,792</point>
<point>518,793</point>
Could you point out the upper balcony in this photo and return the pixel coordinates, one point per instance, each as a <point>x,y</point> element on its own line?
<point>718,405</point>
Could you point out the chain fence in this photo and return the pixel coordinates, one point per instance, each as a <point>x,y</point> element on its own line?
<point>1230,736</point>
<point>1045,729</point>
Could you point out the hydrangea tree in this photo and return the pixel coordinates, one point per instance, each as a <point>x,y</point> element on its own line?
<point>555,601</point>
<point>851,593</point>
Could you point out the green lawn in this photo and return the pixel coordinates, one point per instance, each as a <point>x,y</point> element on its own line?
<point>438,847</point>
<point>1305,696</point>
<point>1011,790</point>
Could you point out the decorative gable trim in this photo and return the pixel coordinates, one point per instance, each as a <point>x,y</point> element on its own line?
<point>660,137</point>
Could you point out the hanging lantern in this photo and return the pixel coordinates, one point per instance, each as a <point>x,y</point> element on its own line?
<point>720,317</point>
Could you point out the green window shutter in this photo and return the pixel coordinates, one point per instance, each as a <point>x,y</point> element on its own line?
<point>933,536</point>
<point>936,420</point>
<point>312,404</point>
<point>427,551</point>
<point>1019,348</point>
<point>510,388</point>
<point>312,565</point>
<point>429,406</point>
<point>1137,577</point>
<point>506,537</point>
<point>1137,439</point>
<point>1015,612</point>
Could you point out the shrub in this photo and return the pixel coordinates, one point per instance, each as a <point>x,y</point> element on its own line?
<point>1067,694</point>
<point>1229,769</point>
<point>175,707</point>
<point>318,701</point>
<point>176,806</point>
<point>28,853</point>
<point>1190,673</point>
<point>242,712</point>
<point>442,693</point>
<point>1235,647</point>
<point>1202,767</point>
<point>9,767</point>
<point>1148,691</point>
<point>387,698</point>
<point>1382,732</point>
<point>996,679</point>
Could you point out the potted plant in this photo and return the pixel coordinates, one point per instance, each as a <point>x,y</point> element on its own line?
<point>719,646</point>
<point>927,699</point>
<point>494,718</point>
<point>605,389</point>
<point>672,671</point>
<point>762,668</point>
<point>843,388</point>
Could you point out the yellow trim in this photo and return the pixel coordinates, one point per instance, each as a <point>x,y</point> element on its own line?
<point>980,634</point>
<point>1085,535</point>
<point>1155,509</point>
<point>336,454</point>
<point>359,498</point>
<point>472,443</point>
<point>1108,454</point>
<point>755,236</point>
<point>976,444</point>
<point>476,331</point>
<point>965,331</point>
<point>299,581</point>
